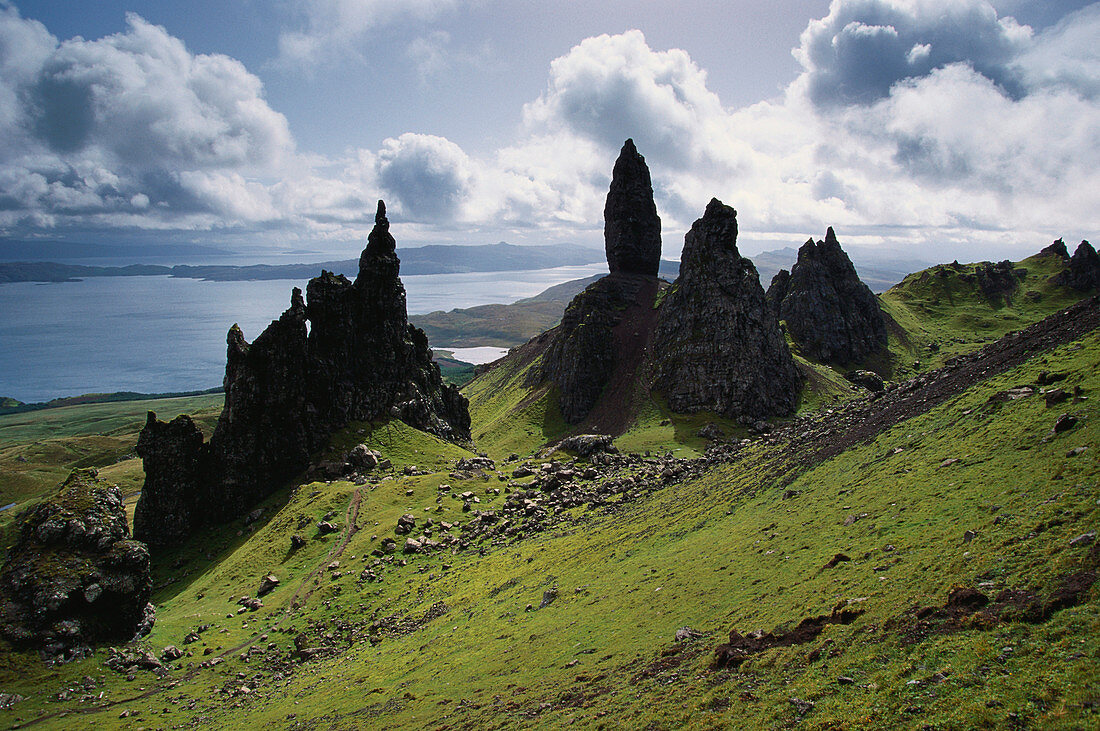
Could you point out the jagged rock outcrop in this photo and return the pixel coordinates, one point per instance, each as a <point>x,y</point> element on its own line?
<point>75,577</point>
<point>1057,248</point>
<point>718,346</point>
<point>606,327</point>
<point>1083,273</point>
<point>834,317</point>
<point>287,391</point>
<point>777,290</point>
<point>632,228</point>
<point>998,281</point>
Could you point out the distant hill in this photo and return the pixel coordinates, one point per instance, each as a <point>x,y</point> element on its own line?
<point>434,259</point>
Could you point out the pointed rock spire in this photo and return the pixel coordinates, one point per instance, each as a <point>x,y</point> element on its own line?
<point>718,345</point>
<point>1084,269</point>
<point>632,228</point>
<point>380,242</point>
<point>831,313</point>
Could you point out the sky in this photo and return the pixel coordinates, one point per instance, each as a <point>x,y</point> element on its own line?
<point>932,129</point>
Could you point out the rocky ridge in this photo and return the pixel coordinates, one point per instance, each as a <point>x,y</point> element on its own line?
<point>834,317</point>
<point>287,391</point>
<point>718,346</point>
<point>75,577</point>
<point>1083,273</point>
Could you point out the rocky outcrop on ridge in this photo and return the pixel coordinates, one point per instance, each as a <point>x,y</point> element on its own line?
<point>718,345</point>
<point>75,577</point>
<point>286,392</point>
<point>602,331</point>
<point>632,228</point>
<point>1084,269</point>
<point>834,317</point>
<point>777,290</point>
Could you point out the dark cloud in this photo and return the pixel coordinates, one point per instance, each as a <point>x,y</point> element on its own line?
<point>862,48</point>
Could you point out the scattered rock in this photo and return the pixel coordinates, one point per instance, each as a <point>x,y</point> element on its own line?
<point>548,597</point>
<point>868,379</point>
<point>1064,423</point>
<point>297,541</point>
<point>171,653</point>
<point>686,634</point>
<point>1085,539</point>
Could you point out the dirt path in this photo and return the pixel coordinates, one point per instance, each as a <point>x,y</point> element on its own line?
<point>302,593</point>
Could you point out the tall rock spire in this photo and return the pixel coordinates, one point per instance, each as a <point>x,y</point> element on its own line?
<point>631,228</point>
<point>718,345</point>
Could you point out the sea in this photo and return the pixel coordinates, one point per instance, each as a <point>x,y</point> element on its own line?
<point>163,334</point>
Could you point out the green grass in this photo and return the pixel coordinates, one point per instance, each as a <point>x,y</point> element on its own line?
<point>715,553</point>
<point>38,449</point>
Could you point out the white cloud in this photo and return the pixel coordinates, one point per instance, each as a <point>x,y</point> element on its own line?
<point>332,28</point>
<point>131,123</point>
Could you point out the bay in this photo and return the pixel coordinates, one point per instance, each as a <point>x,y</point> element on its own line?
<point>161,334</point>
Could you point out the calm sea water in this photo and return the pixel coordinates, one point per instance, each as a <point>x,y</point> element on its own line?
<point>158,334</point>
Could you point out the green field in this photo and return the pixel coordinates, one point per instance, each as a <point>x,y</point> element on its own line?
<point>975,490</point>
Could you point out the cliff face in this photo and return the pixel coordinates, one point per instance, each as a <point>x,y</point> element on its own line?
<point>718,346</point>
<point>834,317</point>
<point>287,391</point>
<point>75,577</point>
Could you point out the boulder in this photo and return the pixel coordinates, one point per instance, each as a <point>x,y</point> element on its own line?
<point>585,445</point>
<point>74,577</point>
<point>718,346</point>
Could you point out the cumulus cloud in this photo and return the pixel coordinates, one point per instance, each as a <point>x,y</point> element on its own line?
<point>331,28</point>
<point>429,177</point>
<point>856,53</point>
<point>131,124</point>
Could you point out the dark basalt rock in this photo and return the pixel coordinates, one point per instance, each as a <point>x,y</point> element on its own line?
<point>1084,269</point>
<point>75,577</point>
<point>287,392</point>
<point>1057,248</point>
<point>632,228</point>
<point>998,281</point>
<point>718,344</point>
<point>834,317</point>
<point>777,290</point>
<point>590,345</point>
<point>584,353</point>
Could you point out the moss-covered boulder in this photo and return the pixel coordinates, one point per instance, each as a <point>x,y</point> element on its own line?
<point>75,577</point>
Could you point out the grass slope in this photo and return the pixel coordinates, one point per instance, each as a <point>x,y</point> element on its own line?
<point>461,641</point>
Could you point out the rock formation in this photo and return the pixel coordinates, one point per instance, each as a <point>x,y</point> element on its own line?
<point>632,228</point>
<point>718,346</point>
<point>777,290</point>
<point>600,331</point>
<point>1057,248</point>
<point>287,392</point>
<point>75,577</point>
<point>834,317</point>
<point>1084,269</point>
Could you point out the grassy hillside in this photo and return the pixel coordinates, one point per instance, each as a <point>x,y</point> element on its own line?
<point>38,449</point>
<point>575,624</point>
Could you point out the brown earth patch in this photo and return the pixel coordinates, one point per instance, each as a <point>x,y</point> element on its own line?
<point>740,647</point>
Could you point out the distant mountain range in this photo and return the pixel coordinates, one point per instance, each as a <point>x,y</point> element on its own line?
<point>434,259</point>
